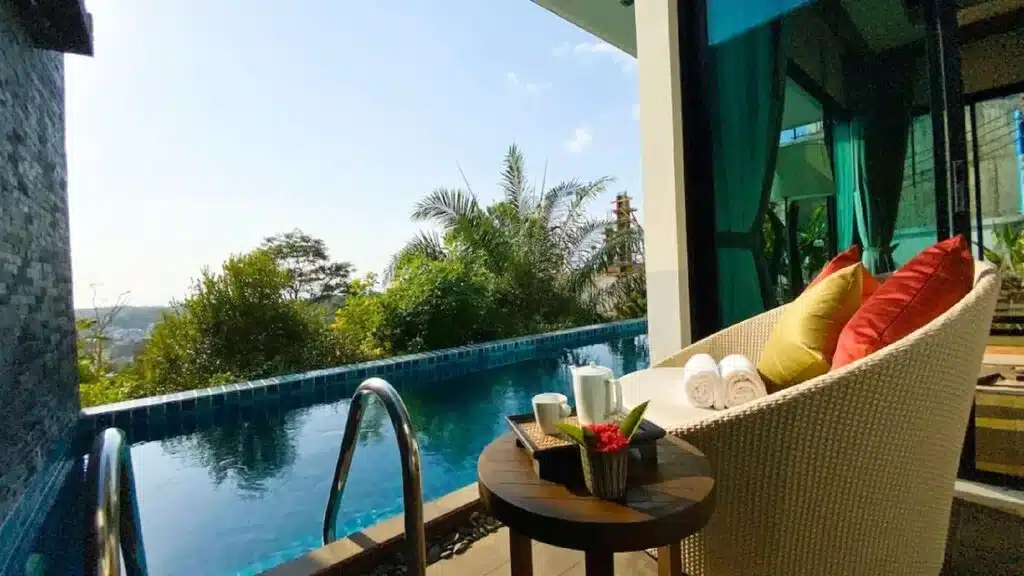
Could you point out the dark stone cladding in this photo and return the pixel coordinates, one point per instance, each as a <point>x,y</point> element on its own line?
<point>38,381</point>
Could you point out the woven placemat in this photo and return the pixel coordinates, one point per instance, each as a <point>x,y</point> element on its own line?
<point>544,441</point>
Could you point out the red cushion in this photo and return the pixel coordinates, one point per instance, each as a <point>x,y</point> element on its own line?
<point>925,287</point>
<point>849,257</point>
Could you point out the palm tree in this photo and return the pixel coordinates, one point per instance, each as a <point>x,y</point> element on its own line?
<point>540,243</point>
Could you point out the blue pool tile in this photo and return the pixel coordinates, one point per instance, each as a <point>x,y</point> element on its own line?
<point>122,419</point>
<point>172,408</point>
<point>104,421</point>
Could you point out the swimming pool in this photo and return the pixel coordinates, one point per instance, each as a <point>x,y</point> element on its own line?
<point>249,493</point>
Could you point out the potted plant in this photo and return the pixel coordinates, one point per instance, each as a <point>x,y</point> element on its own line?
<point>604,452</point>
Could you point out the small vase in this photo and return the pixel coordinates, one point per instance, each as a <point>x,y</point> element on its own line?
<point>605,472</point>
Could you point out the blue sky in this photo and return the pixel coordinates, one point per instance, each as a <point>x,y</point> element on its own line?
<point>202,126</point>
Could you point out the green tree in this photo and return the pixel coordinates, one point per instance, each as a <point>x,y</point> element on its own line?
<point>543,248</point>
<point>356,323</point>
<point>311,274</point>
<point>237,324</point>
<point>437,304</point>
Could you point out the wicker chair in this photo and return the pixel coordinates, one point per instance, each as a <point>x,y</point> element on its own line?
<point>849,473</point>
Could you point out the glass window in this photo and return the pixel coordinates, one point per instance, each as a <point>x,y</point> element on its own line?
<point>812,119</point>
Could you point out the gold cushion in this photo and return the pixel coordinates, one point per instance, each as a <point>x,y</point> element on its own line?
<point>804,338</point>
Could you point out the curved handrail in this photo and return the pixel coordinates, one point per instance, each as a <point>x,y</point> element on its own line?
<point>412,491</point>
<point>112,529</point>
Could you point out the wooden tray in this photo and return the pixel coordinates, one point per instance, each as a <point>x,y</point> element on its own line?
<point>557,458</point>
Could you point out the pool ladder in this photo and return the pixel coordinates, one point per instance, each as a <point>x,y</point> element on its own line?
<point>113,532</point>
<point>412,490</point>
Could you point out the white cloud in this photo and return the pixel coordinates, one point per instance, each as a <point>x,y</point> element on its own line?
<point>595,48</point>
<point>561,50</point>
<point>531,88</point>
<point>592,50</point>
<point>580,140</point>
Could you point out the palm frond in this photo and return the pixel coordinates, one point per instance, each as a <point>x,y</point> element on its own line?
<point>554,204</point>
<point>425,245</point>
<point>513,178</point>
<point>446,207</point>
<point>584,193</point>
<point>596,246</point>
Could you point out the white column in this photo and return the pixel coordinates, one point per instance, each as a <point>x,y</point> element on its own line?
<point>661,135</point>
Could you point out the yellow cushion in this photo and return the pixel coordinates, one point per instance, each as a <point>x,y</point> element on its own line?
<point>804,338</point>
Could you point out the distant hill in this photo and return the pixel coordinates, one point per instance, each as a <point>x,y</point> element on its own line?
<point>130,318</point>
<point>129,330</point>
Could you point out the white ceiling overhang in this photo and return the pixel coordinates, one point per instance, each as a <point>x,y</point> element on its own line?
<point>609,20</point>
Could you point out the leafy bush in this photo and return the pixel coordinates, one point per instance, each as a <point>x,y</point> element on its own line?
<point>356,324</point>
<point>1008,253</point>
<point>435,304</point>
<point>236,324</point>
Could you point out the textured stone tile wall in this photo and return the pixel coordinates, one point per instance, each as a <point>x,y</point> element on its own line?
<point>38,386</point>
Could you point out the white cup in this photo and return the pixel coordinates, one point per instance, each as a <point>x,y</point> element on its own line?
<point>549,409</point>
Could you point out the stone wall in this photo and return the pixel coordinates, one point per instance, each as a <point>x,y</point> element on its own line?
<point>38,386</point>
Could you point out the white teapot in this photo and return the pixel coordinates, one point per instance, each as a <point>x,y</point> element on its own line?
<point>597,393</point>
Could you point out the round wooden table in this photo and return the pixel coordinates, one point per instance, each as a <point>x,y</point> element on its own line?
<point>665,503</point>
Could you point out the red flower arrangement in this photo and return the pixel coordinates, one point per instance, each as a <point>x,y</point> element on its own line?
<point>607,437</point>
<point>604,454</point>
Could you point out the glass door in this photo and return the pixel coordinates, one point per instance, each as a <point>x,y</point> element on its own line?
<point>818,126</point>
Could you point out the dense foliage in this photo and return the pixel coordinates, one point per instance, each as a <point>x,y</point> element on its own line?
<point>542,247</point>
<point>238,324</point>
<point>438,304</point>
<point>533,261</point>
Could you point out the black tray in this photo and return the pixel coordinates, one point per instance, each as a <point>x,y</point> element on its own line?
<point>557,458</point>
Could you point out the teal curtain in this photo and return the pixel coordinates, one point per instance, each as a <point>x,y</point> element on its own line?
<point>884,106</point>
<point>847,145</point>
<point>747,92</point>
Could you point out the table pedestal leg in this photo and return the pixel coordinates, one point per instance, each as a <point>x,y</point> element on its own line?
<point>670,560</point>
<point>520,550</point>
<point>599,564</point>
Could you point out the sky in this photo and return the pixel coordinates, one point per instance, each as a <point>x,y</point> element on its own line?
<point>202,126</point>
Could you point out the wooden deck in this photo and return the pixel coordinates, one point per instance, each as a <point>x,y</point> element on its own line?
<point>490,557</point>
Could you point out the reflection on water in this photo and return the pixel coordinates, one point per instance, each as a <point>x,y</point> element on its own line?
<point>250,493</point>
<point>247,452</point>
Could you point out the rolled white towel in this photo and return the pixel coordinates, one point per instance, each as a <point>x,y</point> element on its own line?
<point>740,380</point>
<point>701,382</point>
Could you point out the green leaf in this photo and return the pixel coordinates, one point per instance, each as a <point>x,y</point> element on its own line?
<point>632,420</point>
<point>589,438</point>
<point>577,434</point>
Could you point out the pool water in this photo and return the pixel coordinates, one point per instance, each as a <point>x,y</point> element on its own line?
<point>250,494</point>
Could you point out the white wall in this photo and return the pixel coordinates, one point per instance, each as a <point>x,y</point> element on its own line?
<point>661,134</point>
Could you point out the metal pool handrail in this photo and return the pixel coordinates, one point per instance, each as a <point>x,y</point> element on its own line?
<point>112,529</point>
<point>412,491</point>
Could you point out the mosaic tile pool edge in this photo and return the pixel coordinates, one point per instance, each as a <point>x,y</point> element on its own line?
<point>18,531</point>
<point>182,411</point>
